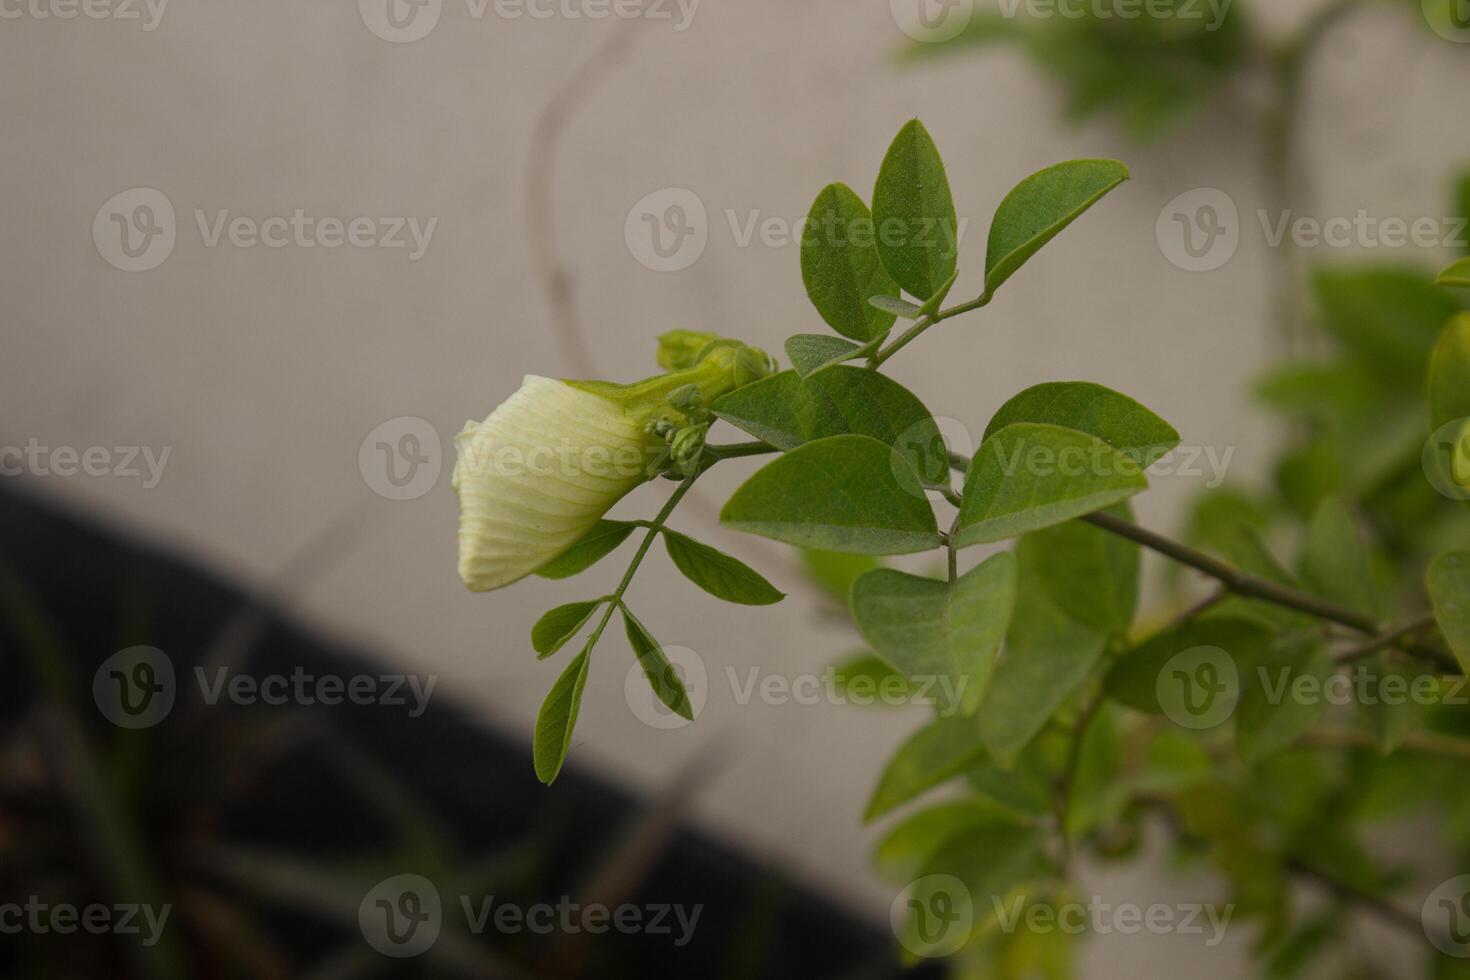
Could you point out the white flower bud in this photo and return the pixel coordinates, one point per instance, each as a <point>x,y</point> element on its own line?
<point>537,474</point>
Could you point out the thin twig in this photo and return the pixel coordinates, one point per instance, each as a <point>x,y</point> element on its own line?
<point>1068,776</point>
<point>555,276</point>
<point>1238,582</point>
<point>1421,743</point>
<point>1199,608</point>
<point>1388,639</point>
<point>922,324</point>
<point>1376,904</point>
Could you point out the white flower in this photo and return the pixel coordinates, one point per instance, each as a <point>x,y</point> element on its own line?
<point>536,476</point>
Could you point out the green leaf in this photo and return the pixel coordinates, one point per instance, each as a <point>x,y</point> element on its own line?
<point>1336,561</point>
<point>787,411</point>
<point>1270,717</point>
<point>1457,275</point>
<point>1108,415</point>
<point>667,685</point>
<point>933,303</point>
<point>1172,762</point>
<point>558,717</point>
<point>930,630</point>
<point>1391,713</point>
<point>813,352</point>
<point>594,546</point>
<point>1449,588</point>
<point>1139,675</point>
<point>908,849</point>
<point>934,754</point>
<point>1098,793</point>
<point>1090,574</point>
<point>1039,208</point>
<point>1027,786</point>
<point>835,572</point>
<point>1449,374</point>
<point>1245,548</point>
<point>840,265</point>
<point>719,574</point>
<point>556,627</point>
<point>994,863</point>
<point>914,214</point>
<point>1331,393</point>
<point>1048,655</point>
<point>1029,476</point>
<point>865,679</point>
<point>1388,318</point>
<point>845,493</point>
<point>898,307</point>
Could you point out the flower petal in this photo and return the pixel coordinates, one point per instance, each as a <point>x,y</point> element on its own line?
<point>536,475</point>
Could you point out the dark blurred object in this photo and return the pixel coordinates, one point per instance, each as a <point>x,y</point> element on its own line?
<point>264,829</point>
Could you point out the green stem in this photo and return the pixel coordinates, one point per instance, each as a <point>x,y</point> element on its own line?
<point>1390,638</point>
<point>951,545</point>
<point>1069,773</point>
<point>1421,743</point>
<point>876,361</point>
<point>1238,582</point>
<point>736,450</point>
<point>615,601</point>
